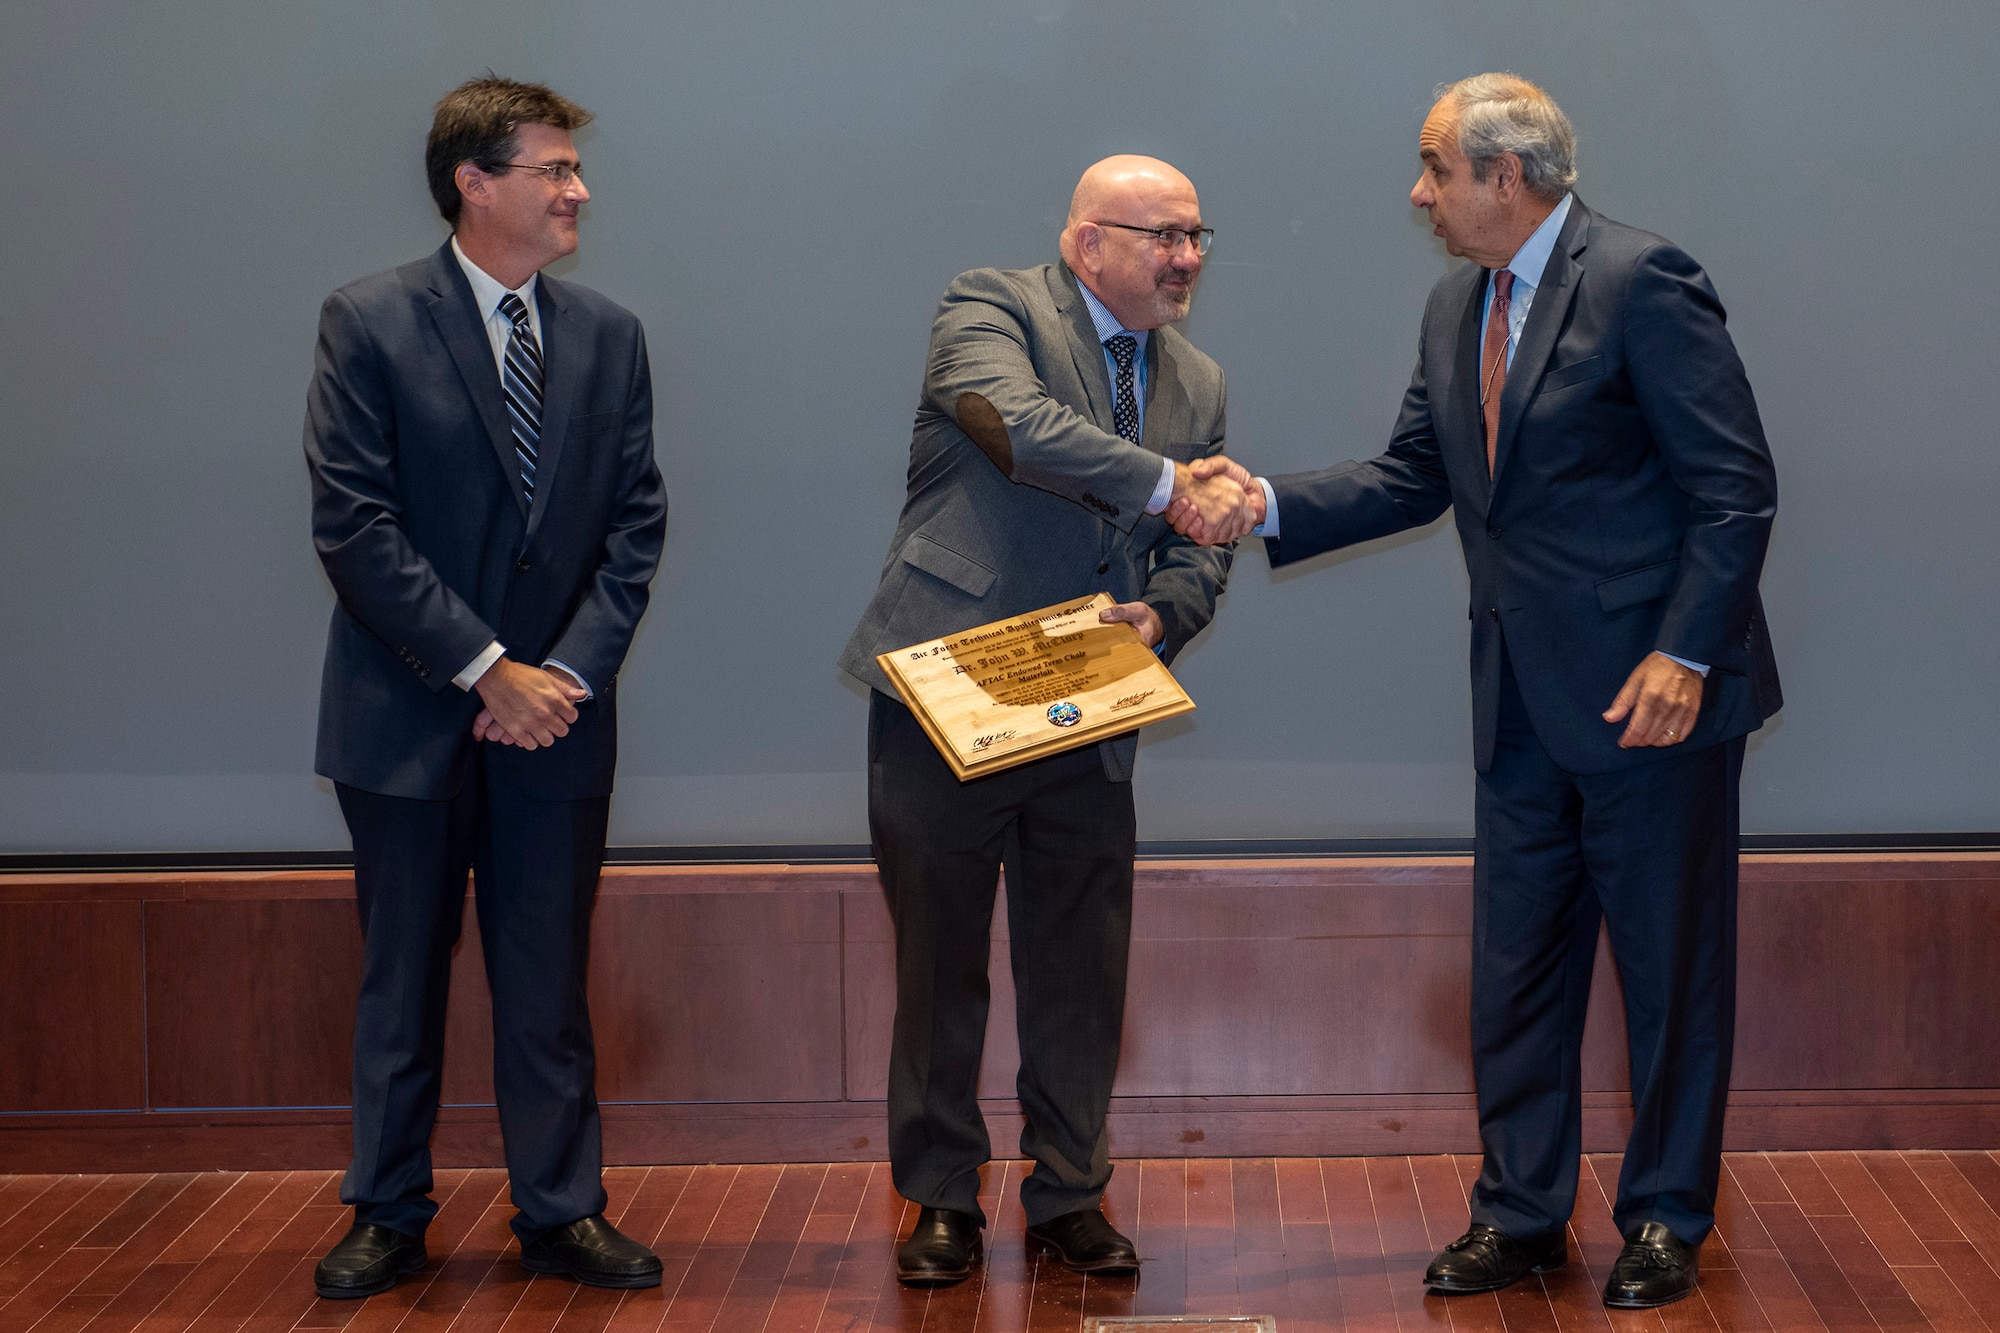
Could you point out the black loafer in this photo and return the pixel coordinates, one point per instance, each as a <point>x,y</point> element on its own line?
<point>592,1251</point>
<point>943,1248</point>
<point>367,1260</point>
<point>1086,1243</point>
<point>1487,1259</point>
<point>1654,1268</point>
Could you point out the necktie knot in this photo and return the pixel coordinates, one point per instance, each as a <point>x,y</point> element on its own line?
<point>1503,286</point>
<point>1124,350</point>
<point>516,312</point>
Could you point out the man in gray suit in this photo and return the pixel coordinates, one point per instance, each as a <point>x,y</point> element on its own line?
<point>1059,415</point>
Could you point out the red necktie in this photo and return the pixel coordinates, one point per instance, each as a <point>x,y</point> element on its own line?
<point>1493,363</point>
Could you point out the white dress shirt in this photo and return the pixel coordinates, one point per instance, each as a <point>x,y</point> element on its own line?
<point>487,293</point>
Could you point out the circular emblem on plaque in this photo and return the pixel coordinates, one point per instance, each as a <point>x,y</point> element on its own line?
<point>1065,714</point>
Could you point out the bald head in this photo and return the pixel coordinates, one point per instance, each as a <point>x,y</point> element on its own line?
<point>1125,180</point>
<point>1140,281</point>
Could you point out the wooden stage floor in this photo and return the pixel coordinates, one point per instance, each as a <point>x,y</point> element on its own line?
<point>1805,1240</point>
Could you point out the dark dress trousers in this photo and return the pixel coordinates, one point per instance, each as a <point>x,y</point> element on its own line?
<point>1020,494</point>
<point>1628,511</point>
<point>424,529</point>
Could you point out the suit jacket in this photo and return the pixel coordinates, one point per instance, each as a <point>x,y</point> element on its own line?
<point>1629,506</point>
<point>1020,491</point>
<point>422,524</point>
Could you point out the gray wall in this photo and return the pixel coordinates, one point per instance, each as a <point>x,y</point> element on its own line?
<point>781,192</point>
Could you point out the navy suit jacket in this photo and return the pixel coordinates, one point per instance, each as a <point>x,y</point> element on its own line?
<point>422,524</point>
<point>1630,503</point>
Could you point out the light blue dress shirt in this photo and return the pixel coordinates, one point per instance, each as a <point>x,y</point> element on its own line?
<point>1107,326</point>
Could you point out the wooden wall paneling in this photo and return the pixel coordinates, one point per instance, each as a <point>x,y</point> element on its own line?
<point>1869,984</point>
<point>867,990</point>
<point>731,997</point>
<point>726,996</point>
<point>1605,1066</point>
<point>250,1002</point>
<point>1260,990</point>
<point>72,988</point>
<point>652,1133</point>
<point>468,1022</point>
<point>1289,1007</point>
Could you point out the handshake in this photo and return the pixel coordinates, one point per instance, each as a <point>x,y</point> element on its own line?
<point>1215,500</point>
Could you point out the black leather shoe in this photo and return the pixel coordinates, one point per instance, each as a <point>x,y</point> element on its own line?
<point>368,1259</point>
<point>592,1251</point>
<point>1654,1268</point>
<point>943,1248</point>
<point>1486,1259</point>
<point>1086,1243</point>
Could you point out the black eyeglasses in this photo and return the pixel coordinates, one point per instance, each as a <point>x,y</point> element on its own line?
<point>560,173</point>
<point>1169,238</point>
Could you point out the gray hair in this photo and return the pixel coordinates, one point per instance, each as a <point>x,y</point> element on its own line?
<point>1504,113</point>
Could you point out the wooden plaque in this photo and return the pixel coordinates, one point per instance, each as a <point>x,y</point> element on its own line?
<point>1035,685</point>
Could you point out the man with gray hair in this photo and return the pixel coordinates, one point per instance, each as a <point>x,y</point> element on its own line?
<point>1580,407</point>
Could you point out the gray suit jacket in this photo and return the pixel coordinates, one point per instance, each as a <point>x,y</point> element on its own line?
<point>1021,493</point>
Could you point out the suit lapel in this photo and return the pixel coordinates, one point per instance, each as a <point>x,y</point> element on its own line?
<point>561,338</point>
<point>1166,398</point>
<point>1465,431</point>
<point>463,330</point>
<point>1553,297</point>
<point>1085,351</point>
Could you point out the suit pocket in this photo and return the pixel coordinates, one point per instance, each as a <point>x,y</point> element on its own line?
<point>960,571</point>
<point>1576,372</point>
<point>589,423</point>
<point>1645,584</point>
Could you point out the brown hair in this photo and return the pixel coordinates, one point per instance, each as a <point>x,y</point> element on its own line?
<point>476,123</point>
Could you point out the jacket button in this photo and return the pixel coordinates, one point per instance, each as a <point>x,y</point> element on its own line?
<point>1493,611</point>
<point>1104,569</point>
<point>1493,532</point>
<point>522,565</point>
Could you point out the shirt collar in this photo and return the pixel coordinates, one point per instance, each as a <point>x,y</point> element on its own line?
<point>486,289</point>
<point>1533,256</point>
<point>1103,320</point>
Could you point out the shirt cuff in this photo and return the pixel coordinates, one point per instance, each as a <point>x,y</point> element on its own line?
<point>480,665</point>
<point>588,693</point>
<point>1163,492</point>
<point>1695,667</point>
<point>1269,527</point>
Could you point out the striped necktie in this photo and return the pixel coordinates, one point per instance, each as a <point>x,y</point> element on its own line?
<point>521,382</point>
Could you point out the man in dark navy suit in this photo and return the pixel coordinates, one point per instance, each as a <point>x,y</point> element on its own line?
<point>486,505</point>
<point>1579,405</point>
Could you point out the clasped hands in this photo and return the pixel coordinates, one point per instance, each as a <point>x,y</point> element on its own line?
<point>1215,500</point>
<point>526,706</point>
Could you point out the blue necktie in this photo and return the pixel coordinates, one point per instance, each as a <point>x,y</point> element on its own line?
<point>522,383</point>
